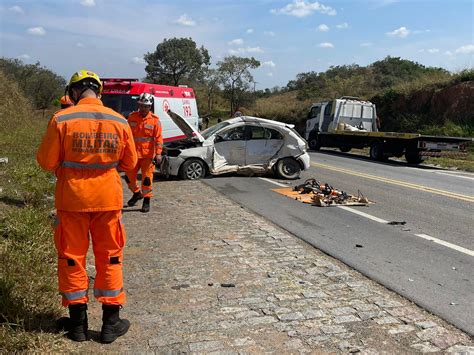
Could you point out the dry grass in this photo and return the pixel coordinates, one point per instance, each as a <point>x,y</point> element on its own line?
<point>29,300</point>
<point>465,163</point>
<point>429,80</point>
<point>283,107</point>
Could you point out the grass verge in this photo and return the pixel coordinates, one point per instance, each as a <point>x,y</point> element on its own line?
<point>29,300</point>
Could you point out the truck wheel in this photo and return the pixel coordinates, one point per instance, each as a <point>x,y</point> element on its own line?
<point>414,158</point>
<point>313,143</point>
<point>192,169</point>
<point>345,149</point>
<point>376,151</point>
<point>288,168</point>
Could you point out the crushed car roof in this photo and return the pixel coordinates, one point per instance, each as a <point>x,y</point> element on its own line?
<point>258,120</point>
<point>191,132</point>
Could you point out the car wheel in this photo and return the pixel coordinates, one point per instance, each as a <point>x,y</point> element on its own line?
<point>288,168</point>
<point>192,169</point>
<point>345,149</point>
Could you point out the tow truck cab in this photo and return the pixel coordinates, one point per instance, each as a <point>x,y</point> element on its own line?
<point>121,95</point>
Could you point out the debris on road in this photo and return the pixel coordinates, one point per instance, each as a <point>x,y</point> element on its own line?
<point>397,223</point>
<point>228,285</point>
<point>322,195</point>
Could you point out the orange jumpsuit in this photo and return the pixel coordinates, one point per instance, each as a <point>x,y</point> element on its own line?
<point>85,145</point>
<point>147,134</point>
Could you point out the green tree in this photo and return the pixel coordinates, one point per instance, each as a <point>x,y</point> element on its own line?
<point>394,70</point>
<point>236,78</point>
<point>174,60</point>
<point>39,84</point>
<point>211,80</point>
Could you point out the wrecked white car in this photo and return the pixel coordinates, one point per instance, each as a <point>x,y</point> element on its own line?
<point>244,145</point>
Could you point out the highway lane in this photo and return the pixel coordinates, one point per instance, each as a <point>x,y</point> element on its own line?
<point>438,277</point>
<point>444,211</point>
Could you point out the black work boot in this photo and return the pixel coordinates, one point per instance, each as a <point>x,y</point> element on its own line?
<point>135,198</point>
<point>112,325</point>
<point>146,205</point>
<point>76,325</point>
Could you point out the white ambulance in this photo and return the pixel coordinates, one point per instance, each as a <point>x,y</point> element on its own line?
<point>121,95</point>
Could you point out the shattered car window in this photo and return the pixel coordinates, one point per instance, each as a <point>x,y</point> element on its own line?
<point>212,130</point>
<point>258,132</point>
<point>274,134</point>
<point>236,134</point>
<point>296,133</point>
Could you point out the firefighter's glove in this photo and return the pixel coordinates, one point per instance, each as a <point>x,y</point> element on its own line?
<point>157,160</point>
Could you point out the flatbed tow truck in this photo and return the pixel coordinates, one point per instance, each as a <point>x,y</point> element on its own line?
<point>349,122</point>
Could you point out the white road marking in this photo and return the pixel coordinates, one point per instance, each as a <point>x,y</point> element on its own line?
<point>274,182</point>
<point>446,244</point>
<point>363,214</point>
<point>380,220</point>
<point>424,236</point>
<point>455,175</point>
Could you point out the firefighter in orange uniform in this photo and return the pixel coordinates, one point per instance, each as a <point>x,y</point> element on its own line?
<point>85,145</point>
<point>65,101</point>
<point>147,134</point>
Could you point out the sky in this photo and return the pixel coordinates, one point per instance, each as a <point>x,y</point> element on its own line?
<point>288,37</point>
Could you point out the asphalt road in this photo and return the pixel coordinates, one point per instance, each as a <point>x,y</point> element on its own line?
<point>429,259</point>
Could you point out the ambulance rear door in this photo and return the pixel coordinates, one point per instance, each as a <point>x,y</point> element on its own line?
<point>184,104</point>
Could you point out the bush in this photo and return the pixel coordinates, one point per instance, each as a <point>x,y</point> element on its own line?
<point>449,129</point>
<point>39,84</point>
<point>465,75</point>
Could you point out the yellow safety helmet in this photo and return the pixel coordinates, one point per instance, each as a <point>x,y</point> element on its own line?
<point>86,79</point>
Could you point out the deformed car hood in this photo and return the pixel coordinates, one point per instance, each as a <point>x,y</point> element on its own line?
<point>187,129</point>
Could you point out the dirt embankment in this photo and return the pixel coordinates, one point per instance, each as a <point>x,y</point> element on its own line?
<point>428,106</point>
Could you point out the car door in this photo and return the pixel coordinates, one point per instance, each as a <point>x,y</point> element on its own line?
<point>262,144</point>
<point>230,144</point>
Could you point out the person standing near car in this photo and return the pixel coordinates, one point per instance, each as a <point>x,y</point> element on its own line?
<point>147,134</point>
<point>85,145</point>
<point>65,102</point>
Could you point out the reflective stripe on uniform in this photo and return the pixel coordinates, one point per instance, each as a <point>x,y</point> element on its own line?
<point>91,115</point>
<point>73,164</point>
<point>149,126</point>
<point>144,139</point>
<point>72,296</point>
<point>107,293</point>
<point>132,124</point>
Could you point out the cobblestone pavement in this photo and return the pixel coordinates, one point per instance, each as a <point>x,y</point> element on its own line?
<point>204,275</point>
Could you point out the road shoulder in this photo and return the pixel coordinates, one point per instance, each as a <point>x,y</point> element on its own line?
<point>203,274</point>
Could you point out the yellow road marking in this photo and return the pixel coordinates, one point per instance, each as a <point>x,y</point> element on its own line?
<point>398,182</point>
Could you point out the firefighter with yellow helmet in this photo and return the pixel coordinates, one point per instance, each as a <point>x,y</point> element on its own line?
<point>84,145</point>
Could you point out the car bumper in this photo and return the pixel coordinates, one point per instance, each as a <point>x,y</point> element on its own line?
<point>174,163</point>
<point>305,161</point>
